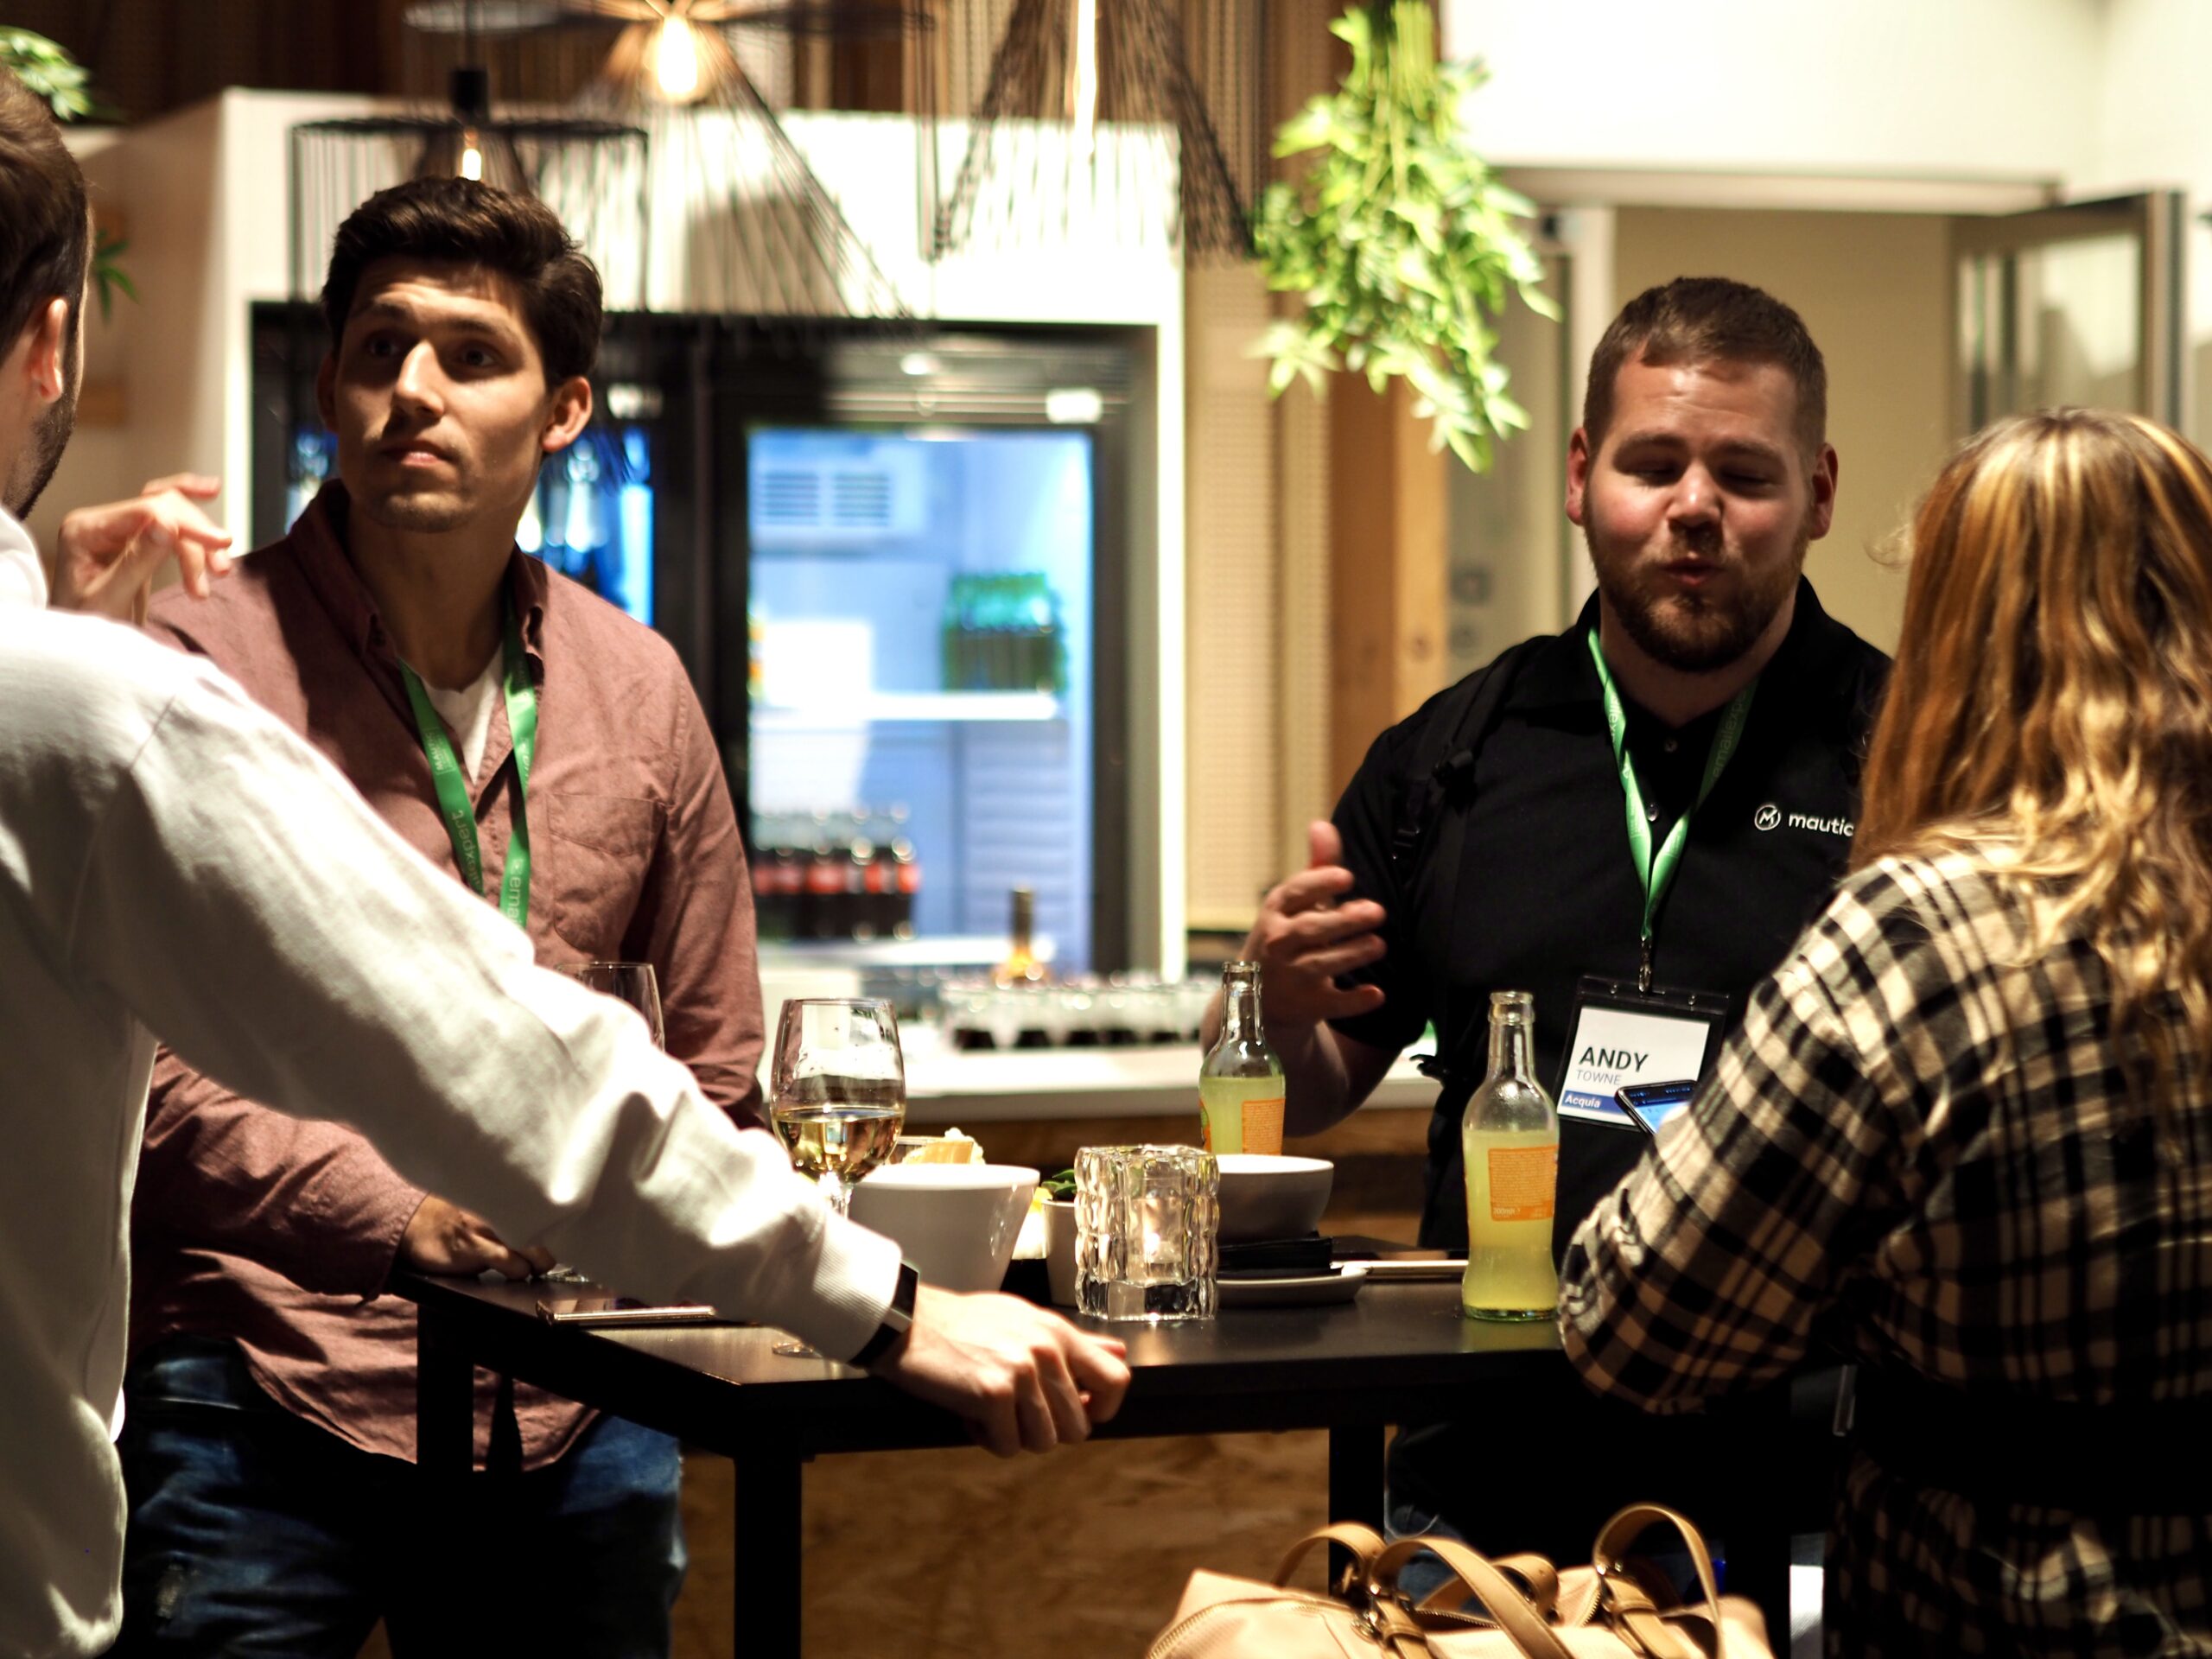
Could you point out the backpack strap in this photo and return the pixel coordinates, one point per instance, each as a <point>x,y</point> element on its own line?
<point>1444,764</point>
<point>1440,782</point>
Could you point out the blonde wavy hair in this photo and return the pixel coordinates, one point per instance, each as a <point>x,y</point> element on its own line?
<point>2050,712</point>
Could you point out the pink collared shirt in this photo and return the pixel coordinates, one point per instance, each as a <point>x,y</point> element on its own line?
<point>272,1231</point>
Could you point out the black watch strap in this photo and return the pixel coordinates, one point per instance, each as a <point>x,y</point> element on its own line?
<point>897,1319</point>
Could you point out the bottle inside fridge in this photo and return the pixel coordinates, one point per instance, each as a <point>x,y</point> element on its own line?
<point>592,516</point>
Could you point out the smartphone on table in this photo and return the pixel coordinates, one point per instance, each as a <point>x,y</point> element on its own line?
<point>622,1311</point>
<point>1650,1104</point>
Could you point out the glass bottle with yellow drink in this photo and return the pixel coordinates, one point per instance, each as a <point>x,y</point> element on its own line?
<point>1509,1135</point>
<point>1241,1085</point>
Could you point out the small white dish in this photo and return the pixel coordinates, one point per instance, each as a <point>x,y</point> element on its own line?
<point>1340,1284</point>
<point>956,1222</point>
<point>1060,1249</point>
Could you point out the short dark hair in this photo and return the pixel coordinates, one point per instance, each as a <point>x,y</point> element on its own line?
<point>464,223</point>
<point>1706,319</point>
<point>45,226</point>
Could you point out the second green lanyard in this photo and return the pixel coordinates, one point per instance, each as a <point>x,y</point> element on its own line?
<point>455,803</point>
<point>1657,869</point>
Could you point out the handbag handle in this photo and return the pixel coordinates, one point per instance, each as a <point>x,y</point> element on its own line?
<point>1364,1543</point>
<point>1509,1607</point>
<point>1537,1576</point>
<point>1626,1602</point>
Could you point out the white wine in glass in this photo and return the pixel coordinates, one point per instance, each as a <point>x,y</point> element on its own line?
<point>633,982</point>
<point>839,1141</point>
<point>836,1096</point>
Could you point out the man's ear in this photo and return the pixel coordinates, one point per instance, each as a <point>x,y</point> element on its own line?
<point>1578,475</point>
<point>47,362</point>
<point>1822,480</point>
<point>567,415</point>
<point>326,391</point>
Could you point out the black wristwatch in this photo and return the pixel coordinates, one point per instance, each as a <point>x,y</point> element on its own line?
<point>898,1319</point>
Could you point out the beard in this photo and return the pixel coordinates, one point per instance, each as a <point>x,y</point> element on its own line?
<point>430,514</point>
<point>49,437</point>
<point>1696,632</point>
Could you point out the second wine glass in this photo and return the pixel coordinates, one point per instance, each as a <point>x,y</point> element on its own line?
<point>837,1090</point>
<point>837,1097</point>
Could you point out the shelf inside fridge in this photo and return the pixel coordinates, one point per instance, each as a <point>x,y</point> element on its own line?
<point>908,707</point>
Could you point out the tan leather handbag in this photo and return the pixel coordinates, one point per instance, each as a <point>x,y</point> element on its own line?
<point>1530,1610</point>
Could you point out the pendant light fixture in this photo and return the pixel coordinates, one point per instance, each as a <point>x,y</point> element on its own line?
<point>762,236</point>
<point>1091,117</point>
<point>591,170</point>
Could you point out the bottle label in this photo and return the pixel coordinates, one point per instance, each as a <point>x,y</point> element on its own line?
<point>1522,1182</point>
<point>1263,1125</point>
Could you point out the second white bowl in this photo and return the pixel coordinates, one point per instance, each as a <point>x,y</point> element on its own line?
<point>1265,1196</point>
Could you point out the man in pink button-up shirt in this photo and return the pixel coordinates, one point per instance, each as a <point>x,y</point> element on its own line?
<point>463,323</point>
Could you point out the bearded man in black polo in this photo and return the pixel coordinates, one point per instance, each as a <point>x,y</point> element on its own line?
<point>1633,819</point>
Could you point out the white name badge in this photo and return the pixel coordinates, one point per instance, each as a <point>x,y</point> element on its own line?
<point>1622,1036</point>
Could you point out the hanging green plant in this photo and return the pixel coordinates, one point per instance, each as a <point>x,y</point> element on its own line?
<point>1401,240</point>
<point>51,73</point>
<point>48,70</point>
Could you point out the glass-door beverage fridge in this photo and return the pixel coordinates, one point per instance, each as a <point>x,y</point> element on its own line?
<point>895,563</point>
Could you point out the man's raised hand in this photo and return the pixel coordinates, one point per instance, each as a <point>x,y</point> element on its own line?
<point>1304,938</point>
<point>110,555</point>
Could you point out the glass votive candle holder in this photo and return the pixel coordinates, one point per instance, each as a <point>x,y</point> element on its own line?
<point>1147,1221</point>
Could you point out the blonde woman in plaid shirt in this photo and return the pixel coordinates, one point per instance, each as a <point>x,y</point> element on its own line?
<point>1965,1132</point>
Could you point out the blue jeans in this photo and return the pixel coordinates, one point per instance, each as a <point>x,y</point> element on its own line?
<point>1426,1571</point>
<point>254,1532</point>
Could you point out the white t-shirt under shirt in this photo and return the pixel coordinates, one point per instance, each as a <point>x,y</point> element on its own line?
<point>467,712</point>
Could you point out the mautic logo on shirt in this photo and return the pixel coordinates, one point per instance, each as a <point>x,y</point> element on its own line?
<point>1772,817</point>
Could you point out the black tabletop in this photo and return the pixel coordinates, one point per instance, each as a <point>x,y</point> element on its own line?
<point>1399,1352</point>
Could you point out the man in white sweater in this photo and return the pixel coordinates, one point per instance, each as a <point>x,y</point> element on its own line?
<point>160,843</point>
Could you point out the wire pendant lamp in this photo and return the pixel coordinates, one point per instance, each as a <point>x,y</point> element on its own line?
<point>1091,115</point>
<point>592,171</point>
<point>761,235</point>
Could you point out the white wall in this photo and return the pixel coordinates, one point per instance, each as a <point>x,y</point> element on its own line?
<point>1873,289</point>
<point>1964,88</point>
<point>2152,130</point>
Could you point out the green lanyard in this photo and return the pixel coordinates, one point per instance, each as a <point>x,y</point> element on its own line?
<point>1657,872</point>
<point>453,802</point>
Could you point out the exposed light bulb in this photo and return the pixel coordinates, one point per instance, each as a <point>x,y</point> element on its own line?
<point>676,59</point>
<point>472,155</point>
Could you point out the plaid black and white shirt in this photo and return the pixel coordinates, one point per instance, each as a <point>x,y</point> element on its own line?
<point>1908,1152</point>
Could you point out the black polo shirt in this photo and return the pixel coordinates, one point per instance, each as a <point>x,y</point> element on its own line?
<point>1547,891</point>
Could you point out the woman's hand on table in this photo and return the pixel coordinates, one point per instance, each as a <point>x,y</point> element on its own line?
<point>1024,1379</point>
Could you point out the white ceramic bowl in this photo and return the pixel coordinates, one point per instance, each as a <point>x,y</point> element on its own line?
<point>956,1222</point>
<point>1059,1250</point>
<point>1265,1196</point>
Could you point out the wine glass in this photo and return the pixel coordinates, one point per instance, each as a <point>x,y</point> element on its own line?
<point>836,1096</point>
<point>633,982</point>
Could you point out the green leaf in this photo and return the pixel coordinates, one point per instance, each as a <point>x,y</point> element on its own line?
<point>109,278</point>
<point>1400,240</point>
<point>49,73</point>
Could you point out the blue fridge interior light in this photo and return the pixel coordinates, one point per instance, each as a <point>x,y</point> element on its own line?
<point>922,631</point>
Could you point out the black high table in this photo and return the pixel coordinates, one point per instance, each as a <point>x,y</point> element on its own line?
<point>1399,1353</point>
